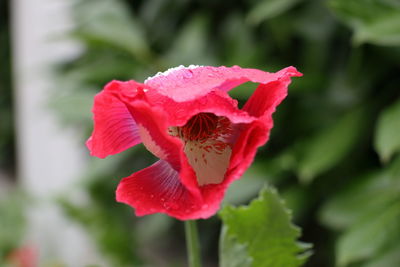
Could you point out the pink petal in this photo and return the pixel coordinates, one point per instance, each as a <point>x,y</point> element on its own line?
<point>261,105</point>
<point>153,128</point>
<point>171,99</point>
<point>158,189</point>
<point>184,84</point>
<point>217,102</point>
<point>114,127</point>
<point>269,95</point>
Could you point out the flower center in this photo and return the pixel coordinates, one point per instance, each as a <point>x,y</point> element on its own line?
<point>207,145</point>
<point>199,127</point>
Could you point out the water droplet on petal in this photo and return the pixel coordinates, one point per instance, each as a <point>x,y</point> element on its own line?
<point>174,205</point>
<point>203,101</point>
<point>151,196</point>
<point>188,74</point>
<point>204,206</point>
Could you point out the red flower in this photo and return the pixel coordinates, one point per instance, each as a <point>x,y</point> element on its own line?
<point>186,118</point>
<point>25,256</point>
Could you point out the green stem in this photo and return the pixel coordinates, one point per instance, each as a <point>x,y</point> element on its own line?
<point>192,244</point>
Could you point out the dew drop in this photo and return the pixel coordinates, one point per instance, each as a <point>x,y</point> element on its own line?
<point>204,206</point>
<point>173,205</point>
<point>151,196</point>
<point>188,74</point>
<point>203,100</point>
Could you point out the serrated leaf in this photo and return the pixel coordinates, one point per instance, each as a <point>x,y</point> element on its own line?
<point>268,9</point>
<point>387,132</point>
<point>266,232</point>
<point>326,149</point>
<point>373,21</point>
<point>233,253</point>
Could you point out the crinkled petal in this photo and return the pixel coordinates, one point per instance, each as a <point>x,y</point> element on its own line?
<point>158,189</point>
<point>114,127</point>
<point>188,83</point>
<point>216,102</point>
<point>170,100</point>
<point>251,137</point>
<point>153,130</point>
<point>261,105</point>
<point>267,97</point>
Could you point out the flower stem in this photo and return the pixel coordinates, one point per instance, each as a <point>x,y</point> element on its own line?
<point>192,244</point>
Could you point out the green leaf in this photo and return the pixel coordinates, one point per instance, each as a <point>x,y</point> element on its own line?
<point>344,209</point>
<point>366,238</point>
<point>233,253</point>
<point>389,258</point>
<point>262,232</point>
<point>326,150</point>
<point>375,190</point>
<point>191,45</point>
<point>387,137</point>
<point>373,21</point>
<point>108,21</point>
<point>369,210</point>
<point>12,220</point>
<point>268,9</point>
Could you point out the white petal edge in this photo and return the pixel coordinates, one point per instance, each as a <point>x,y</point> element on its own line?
<point>171,70</point>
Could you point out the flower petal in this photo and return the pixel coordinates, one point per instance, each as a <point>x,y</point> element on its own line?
<point>209,160</point>
<point>200,80</point>
<point>114,127</point>
<point>261,105</point>
<point>153,129</point>
<point>158,189</point>
<point>269,95</point>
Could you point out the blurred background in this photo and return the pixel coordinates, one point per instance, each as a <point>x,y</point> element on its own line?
<point>333,153</point>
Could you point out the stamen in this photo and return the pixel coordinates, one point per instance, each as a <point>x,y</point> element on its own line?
<point>199,127</point>
<point>207,144</point>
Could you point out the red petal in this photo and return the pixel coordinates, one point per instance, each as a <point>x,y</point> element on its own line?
<point>269,95</point>
<point>158,189</point>
<point>260,105</point>
<point>114,127</point>
<point>153,127</point>
<point>199,81</point>
<point>180,94</point>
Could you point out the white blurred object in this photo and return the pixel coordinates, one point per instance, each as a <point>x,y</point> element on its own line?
<point>50,157</point>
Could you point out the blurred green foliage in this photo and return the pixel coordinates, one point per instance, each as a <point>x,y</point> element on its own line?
<point>12,223</point>
<point>11,202</point>
<point>333,152</point>
<point>7,151</point>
